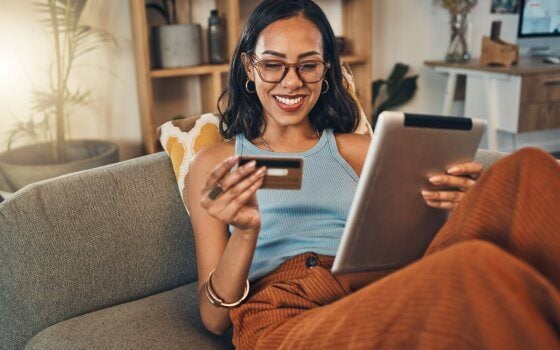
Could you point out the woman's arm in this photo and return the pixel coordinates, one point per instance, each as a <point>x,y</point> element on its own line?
<point>230,257</point>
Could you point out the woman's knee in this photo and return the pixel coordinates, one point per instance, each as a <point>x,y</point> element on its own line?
<point>474,254</point>
<point>530,157</point>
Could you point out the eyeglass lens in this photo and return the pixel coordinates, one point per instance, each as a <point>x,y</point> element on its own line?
<point>274,71</point>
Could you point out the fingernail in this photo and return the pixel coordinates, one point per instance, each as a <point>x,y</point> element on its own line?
<point>436,179</point>
<point>251,164</point>
<point>427,194</point>
<point>261,170</point>
<point>453,169</point>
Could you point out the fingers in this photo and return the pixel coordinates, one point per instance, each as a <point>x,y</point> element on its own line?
<point>460,179</point>
<point>462,182</point>
<point>443,199</point>
<point>241,196</point>
<point>219,172</point>
<point>471,169</point>
<point>221,178</point>
<point>235,195</point>
<point>235,177</point>
<point>442,205</point>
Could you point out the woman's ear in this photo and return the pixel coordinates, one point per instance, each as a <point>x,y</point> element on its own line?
<point>248,66</point>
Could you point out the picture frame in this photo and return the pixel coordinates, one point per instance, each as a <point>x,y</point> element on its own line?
<point>504,6</point>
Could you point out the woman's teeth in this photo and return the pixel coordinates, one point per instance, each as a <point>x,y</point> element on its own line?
<point>288,101</point>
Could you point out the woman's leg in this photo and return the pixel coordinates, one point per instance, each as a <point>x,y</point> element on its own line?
<point>470,295</point>
<point>515,205</point>
<point>473,295</point>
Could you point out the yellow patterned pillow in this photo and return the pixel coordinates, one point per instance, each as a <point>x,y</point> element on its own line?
<point>183,138</point>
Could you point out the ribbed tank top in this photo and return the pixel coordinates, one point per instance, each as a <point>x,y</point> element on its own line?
<point>308,220</point>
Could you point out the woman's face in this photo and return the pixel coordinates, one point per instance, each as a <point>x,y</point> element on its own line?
<point>292,40</point>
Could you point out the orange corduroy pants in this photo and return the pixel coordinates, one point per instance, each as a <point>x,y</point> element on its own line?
<point>489,280</point>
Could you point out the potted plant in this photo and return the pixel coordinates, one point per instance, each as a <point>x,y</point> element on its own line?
<point>50,152</point>
<point>392,92</point>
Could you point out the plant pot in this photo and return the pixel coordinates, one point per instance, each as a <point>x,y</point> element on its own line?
<point>28,164</point>
<point>177,45</point>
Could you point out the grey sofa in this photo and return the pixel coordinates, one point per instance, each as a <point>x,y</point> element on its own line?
<point>103,259</point>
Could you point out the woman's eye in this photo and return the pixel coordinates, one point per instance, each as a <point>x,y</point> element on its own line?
<point>309,66</point>
<point>272,65</point>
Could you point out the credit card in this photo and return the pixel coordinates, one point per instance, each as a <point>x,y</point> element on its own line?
<point>284,173</point>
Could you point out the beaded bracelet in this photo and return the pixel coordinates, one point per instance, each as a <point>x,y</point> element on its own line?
<point>215,300</point>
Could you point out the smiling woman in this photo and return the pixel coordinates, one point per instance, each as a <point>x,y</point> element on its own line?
<point>264,256</point>
<point>285,97</point>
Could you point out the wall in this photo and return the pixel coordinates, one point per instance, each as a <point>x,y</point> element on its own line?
<point>108,72</point>
<point>408,31</point>
<point>413,31</point>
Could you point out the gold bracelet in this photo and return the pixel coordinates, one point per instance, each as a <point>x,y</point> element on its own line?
<point>215,300</point>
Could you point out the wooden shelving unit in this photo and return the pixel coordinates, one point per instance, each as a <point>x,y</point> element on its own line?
<point>357,28</point>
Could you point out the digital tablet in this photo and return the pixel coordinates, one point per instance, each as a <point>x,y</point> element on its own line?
<point>389,224</point>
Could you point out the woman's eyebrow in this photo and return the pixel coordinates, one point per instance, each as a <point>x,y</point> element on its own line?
<point>309,53</point>
<point>275,53</point>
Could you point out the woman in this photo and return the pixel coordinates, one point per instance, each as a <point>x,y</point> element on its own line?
<point>286,98</point>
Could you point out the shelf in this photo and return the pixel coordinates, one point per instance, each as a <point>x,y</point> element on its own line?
<point>190,71</point>
<point>172,96</point>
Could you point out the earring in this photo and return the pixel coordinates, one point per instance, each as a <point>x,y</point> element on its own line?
<point>247,87</point>
<point>327,89</point>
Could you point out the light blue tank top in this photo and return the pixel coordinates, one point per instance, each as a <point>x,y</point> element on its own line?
<point>308,220</point>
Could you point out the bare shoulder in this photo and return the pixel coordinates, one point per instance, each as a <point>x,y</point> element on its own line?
<point>208,157</point>
<point>353,148</point>
<point>352,140</point>
<point>201,165</point>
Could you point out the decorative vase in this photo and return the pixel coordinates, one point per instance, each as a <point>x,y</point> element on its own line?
<point>177,45</point>
<point>458,50</point>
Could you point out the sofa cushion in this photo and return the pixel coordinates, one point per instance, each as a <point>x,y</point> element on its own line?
<point>169,320</point>
<point>90,240</point>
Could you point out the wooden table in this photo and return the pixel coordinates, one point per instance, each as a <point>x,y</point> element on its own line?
<point>522,98</point>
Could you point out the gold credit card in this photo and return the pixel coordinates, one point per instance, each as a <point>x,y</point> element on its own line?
<point>281,173</point>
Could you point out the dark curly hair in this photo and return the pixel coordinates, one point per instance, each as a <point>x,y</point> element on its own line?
<point>244,113</point>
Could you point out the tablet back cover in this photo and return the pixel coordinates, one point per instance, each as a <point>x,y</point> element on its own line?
<point>389,224</point>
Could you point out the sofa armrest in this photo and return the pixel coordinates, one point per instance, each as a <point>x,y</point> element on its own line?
<point>90,240</point>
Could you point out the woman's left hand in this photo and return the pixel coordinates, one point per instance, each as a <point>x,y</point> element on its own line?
<point>462,177</point>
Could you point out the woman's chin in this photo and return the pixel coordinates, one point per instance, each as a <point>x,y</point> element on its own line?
<point>289,119</point>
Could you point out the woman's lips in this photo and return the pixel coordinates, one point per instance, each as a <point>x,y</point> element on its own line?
<point>292,107</point>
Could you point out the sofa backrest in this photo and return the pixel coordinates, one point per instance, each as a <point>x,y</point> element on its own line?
<point>90,240</point>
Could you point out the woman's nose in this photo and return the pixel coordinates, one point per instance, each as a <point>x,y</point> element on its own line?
<point>291,80</point>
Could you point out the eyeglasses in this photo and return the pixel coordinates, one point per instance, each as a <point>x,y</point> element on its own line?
<point>273,71</point>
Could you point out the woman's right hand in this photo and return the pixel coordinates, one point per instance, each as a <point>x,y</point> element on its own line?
<point>236,203</point>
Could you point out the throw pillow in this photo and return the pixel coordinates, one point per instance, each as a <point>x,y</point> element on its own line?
<point>183,138</point>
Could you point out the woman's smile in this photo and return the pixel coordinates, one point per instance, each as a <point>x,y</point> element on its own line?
<point>288,103</point>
